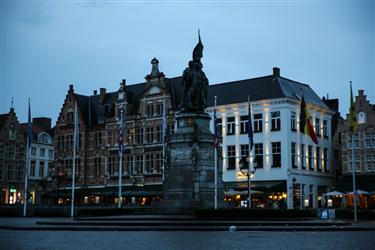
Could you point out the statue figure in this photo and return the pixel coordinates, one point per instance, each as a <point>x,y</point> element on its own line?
<point>195,83</point>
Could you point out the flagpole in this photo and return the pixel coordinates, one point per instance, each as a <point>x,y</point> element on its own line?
<point>302,157</point>
<point>121,141</point>
<point>74,158</point>
<point>352,125</point>
<point>354,186</point>
<point>27,165</point>
<point>215,156</point>
<point>250,148</point>
<point>164,124</point>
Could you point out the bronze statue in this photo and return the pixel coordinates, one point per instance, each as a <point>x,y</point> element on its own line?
<point>195,83</point>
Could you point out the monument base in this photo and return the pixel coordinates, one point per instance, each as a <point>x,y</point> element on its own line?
<point>190,176</point>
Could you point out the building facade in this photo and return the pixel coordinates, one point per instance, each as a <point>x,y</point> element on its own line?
<point>275,107</point>
<point>364,151</point>
<point>12,159</point>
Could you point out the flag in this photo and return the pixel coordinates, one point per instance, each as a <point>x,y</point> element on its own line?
<point>250,128</point>
<point>76,130</point>
<point>305,123</point>
<point>121,134</point>
<point>352,115</point>
<point>164,123</point>
<point>217,137</point>
<point>29,128</point>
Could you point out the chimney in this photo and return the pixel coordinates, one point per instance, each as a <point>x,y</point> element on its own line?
<point>95,92</point>
<point>360,92</point>
<point>71,89</point>
<point>276,72</point>
<point>123,82</point>
<point>102,94</point>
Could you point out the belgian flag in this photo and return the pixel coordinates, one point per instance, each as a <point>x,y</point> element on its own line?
<point>305,123</point>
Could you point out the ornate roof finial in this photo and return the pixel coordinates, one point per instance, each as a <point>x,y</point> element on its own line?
<point>12,103</point>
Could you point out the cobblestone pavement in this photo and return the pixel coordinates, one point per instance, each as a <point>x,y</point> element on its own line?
<point>89,240</point>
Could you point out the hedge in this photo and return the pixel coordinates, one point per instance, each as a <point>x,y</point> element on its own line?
<point>349,214</point>
<point>254,213</point>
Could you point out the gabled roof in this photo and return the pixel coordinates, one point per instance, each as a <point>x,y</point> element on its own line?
<point>262,88</point>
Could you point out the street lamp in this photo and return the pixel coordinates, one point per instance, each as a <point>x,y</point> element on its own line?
<point>248,172</point>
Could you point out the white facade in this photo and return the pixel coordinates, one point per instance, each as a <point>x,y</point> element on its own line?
<point>312,178</point>
<point>41,158</point>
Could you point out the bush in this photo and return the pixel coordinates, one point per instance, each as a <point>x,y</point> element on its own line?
<point>349,214</point>
<point>254,213</point>
<point>104,211</point>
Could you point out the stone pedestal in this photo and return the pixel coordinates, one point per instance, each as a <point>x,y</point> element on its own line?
<point>189,178</point>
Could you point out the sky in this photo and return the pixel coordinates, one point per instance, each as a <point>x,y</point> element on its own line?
<point>47,45</point>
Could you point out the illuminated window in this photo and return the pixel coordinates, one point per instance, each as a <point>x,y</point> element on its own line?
<point>275,121</point>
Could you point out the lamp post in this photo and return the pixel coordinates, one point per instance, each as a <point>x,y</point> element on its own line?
<point>248,172</point>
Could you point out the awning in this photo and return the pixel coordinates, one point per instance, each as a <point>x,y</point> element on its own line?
<point>263,186</point>
<point>363,182</point>
<point>333,193</point>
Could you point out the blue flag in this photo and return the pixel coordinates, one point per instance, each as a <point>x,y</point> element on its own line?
<point>250,129</point>
<point>29,128</point>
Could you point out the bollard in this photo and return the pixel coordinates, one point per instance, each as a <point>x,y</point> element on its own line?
<point>232,228</point>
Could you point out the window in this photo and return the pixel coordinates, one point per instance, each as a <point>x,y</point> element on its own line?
<point>310,158</point>
<point>356,140</point>
<point>12,134</point>
<point>33,151</point>
<point>149,135</point>
<point>50,154</point>
<point>303,156</point>
<point>370,140</point>
<point>293,121</point>
<point>149,109</point>
<point>97,139</point>
<point>158,134</point>
<point>258,123</point>
<point>149,168</point>
<point>10,172</point>
<point>69,116</point>
<point>111,165</point>
<point>293,155</point>
<point>97,167</point>
<point>1,172</point>
<point>160,108</point>
<point>130,137</point>
<point>276,154</point>
<point>318,163</point>
<point>42,152</point>
<point>317,126</point>
<point>357,163</point>
<point>370,163</point>
<point>139,164</point>
<point>244,120</point>
<point>244,150</point>
<point>11,152</point>
<point>220,126</point>
<point>325,160</point>
<point>231,152</point>
<point>170,129</point>
<point>139,135</point>
<point>41,169</point>
<point>325,129</point>
<point>275,121</point>
<point>231,125</point>
<point>130,164</point>
<point>32,168</point>
<point>159,162</point>
<point>258,154</point>
<point>19,173</point>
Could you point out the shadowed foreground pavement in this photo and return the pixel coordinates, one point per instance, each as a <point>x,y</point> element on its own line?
<point>11,239</point>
